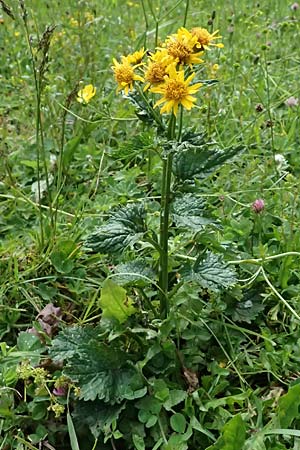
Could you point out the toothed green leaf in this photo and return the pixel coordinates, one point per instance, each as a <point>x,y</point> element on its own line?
<point>190,212</point>
<point>123,229</point>
<point>194,161</point>
<point>211,273</point>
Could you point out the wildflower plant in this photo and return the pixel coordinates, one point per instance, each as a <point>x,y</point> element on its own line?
<point>163,84</point>
<point>152,266</point>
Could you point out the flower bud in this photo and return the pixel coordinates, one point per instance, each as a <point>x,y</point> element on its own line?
<point>59,391</point>
<point>295,6</point>
<point>258,206</point>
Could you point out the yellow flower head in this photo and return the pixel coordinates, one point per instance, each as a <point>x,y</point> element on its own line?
<point>124,75</point>
<point>89,16</point>
<point>74,22</point>
<point>181,46</point>
<point>176,91</point>
<point>157,67</point>
<point>85,94</point>
<point>205,38</point>
<point>136,57</point>
<point>213,69</point>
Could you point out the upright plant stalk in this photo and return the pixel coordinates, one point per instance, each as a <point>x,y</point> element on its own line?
<point>38,73</point>
<point>186,12</point>
<point>164,224</point>
<point>156,19</point>
<point>146,23</point>
<point>37,129</point>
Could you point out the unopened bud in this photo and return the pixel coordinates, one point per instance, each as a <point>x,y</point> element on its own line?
<point>295,6</point>
<point>258,206</point>
<point>59,391</point>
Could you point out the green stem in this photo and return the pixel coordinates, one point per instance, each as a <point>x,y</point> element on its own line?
<point>164,224</point>
<point>274,290</point>
<point>156,33</point>
<point>186,12</point>
<point>38,159</point>
<point>146,22</point>
<point>180,123</point>
<point>257,261</point>
<point>39,132</point>
<point>59,183</point>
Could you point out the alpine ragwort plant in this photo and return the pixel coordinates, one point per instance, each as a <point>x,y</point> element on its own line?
<point>137,375</point>
<point>172,72</point>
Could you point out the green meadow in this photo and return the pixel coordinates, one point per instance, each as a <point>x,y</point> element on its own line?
<point>150,225</point>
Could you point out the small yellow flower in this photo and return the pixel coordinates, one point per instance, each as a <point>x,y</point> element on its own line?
<point>124,75</point>
<point>86,94</point>
<point>213,69</point>
<point>89,16</point>
<point>157,68</point>
<point>205,38</point>
<point>176,91</point>
<point>76,391</point>
<point>136,57</point>
<point>17,33</point>
<point>57,408</point>
<point>39,374</point>
<point>181,46</point>
<point>74,22</point>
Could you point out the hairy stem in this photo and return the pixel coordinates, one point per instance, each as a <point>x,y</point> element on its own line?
<point>164,224</point>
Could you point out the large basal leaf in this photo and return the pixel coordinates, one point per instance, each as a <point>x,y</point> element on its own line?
<point>248,310</point>
<point>233,435</point>
<point>65,345</point>
<point>211,273</point>
<point>97,415</point>
<point>193,161</point>
<point>190,212</point>
<point>100,370</point>
<point>103,371</point>
<point>288,406</point>
<point>124,228</point>
<point>135,272</point>
<point>114,302</point>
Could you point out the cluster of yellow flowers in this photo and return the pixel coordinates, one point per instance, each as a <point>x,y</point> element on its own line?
<point>170,70</point>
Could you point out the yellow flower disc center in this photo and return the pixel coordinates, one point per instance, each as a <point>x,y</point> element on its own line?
<point>179,50</point>
<point>155,73</point>
<point>124,74</point>
<point>175,90</point>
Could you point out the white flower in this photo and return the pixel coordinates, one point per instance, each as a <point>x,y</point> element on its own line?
<point>292,101</point>
<point>280,161</point>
